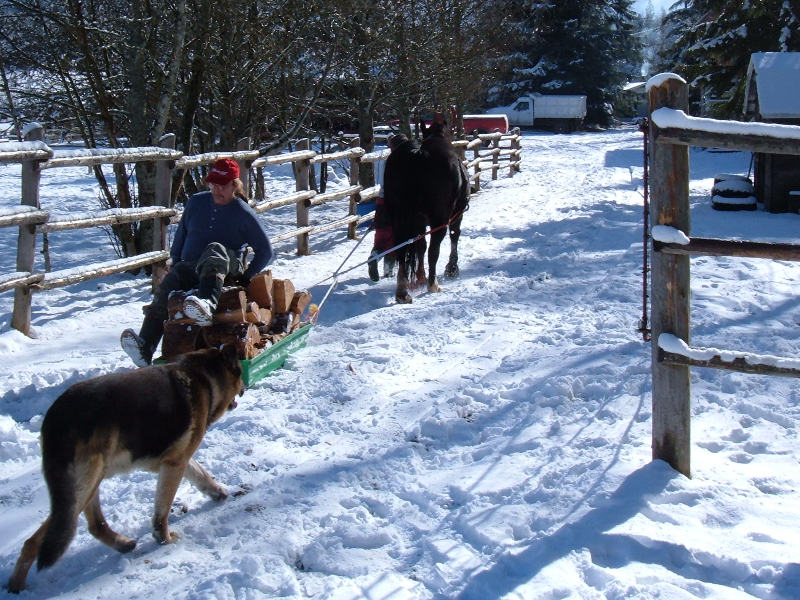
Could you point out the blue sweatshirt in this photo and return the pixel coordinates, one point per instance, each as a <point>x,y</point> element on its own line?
<point>236,225</point>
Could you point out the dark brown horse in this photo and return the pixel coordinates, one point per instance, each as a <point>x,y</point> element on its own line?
<point>425,188</point>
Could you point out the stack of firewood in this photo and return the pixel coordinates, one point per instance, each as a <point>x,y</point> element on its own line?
<point>253,319</point>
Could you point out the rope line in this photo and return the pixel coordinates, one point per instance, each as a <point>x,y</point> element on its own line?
<point>338,272</point>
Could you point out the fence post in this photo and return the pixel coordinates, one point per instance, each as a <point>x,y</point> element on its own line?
<point>355,167</point>
<point>495,157</point>
<point>476,153</point>
<point>301,171</point>
<point>163,198</point>
<point>26,240</point>
<point>669,287</point>
<point>516,155</point>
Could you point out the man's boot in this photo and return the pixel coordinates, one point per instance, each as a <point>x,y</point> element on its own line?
<point>202,305</point>
<point>141,347</point>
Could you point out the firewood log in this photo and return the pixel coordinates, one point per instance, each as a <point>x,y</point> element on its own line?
<point>274,338</point>
<point>300,300</point>
<point>180,336</point>
<point>175,304</point>
<point>234,315</point>
<point>260,289</point>
<point>282,294</point>
<point>252,316</point>
<point>232,298</point>
<point>244,336</point>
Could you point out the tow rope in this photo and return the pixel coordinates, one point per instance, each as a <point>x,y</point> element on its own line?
<point>338,272</point>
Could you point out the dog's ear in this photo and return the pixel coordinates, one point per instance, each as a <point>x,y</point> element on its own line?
<point>230,356</point>
<point>229,353</point>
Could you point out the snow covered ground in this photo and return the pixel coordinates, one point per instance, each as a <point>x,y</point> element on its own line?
<point>491,441</point>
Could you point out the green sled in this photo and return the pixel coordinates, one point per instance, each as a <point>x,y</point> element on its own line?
<point>272,358</point>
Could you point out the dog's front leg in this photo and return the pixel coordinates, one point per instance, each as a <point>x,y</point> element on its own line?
<point>169,478</point>
<point>203,481</point>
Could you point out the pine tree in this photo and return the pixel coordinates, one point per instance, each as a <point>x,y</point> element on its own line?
<point>581,47</point>
<point>713,51</point>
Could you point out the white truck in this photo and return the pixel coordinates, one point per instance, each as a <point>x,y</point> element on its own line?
<point>546,111</point>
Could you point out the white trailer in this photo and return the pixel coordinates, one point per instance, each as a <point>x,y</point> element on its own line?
<point>548,111</point>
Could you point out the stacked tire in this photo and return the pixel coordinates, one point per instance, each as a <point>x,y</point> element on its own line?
<point>733,192</point>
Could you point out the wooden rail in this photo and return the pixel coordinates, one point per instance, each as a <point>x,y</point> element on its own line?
<point>34,156</point>
<point>671,131</point>
<point>740,248</point>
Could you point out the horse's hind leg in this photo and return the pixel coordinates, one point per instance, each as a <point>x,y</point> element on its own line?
<point>433,257</point>
<point>419,277</point>
<point>451,270</point>
<point>401,294</point>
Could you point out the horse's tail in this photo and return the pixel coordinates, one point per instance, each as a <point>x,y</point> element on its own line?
<point>405,168</point>
<point>462,198</point>
<point>404,231</point>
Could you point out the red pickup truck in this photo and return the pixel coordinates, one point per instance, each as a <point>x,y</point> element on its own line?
<point>481,123</point>
<point>485,123</point>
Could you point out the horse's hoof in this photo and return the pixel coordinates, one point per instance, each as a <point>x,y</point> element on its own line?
<point>404,298</point>
<point>451,273</point>
<point>434,288</point>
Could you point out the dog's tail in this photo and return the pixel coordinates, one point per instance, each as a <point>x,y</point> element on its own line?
<point>58,465</point>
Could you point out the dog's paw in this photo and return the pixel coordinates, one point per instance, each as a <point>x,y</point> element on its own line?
<point>124,545</point>
<point>169,538</point>
<point>162,533</point>
<point>243,489</point>
<point>218,494</point>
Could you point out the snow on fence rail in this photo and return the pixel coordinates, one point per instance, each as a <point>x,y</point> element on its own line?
<point>34,156</point>
<point>671,132</point>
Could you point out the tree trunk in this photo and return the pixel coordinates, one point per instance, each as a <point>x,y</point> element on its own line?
<point>366,133</point>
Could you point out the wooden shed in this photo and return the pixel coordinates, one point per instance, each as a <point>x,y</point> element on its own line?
<point>772,95</point>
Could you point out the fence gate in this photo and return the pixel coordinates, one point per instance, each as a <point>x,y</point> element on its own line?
<point>671,133</point>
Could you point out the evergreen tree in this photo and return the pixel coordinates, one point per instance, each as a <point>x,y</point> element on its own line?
<point>656,41</point>
<point>582,47</point>
<point>717,38</point>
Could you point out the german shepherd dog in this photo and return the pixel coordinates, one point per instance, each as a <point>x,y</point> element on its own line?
<point>152,418</point>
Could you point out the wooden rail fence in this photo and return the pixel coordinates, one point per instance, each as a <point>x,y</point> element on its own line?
<point>34,156</point>
<point>671,132</point>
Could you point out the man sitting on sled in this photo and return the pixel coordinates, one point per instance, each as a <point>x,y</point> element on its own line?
<point>214,230</point>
